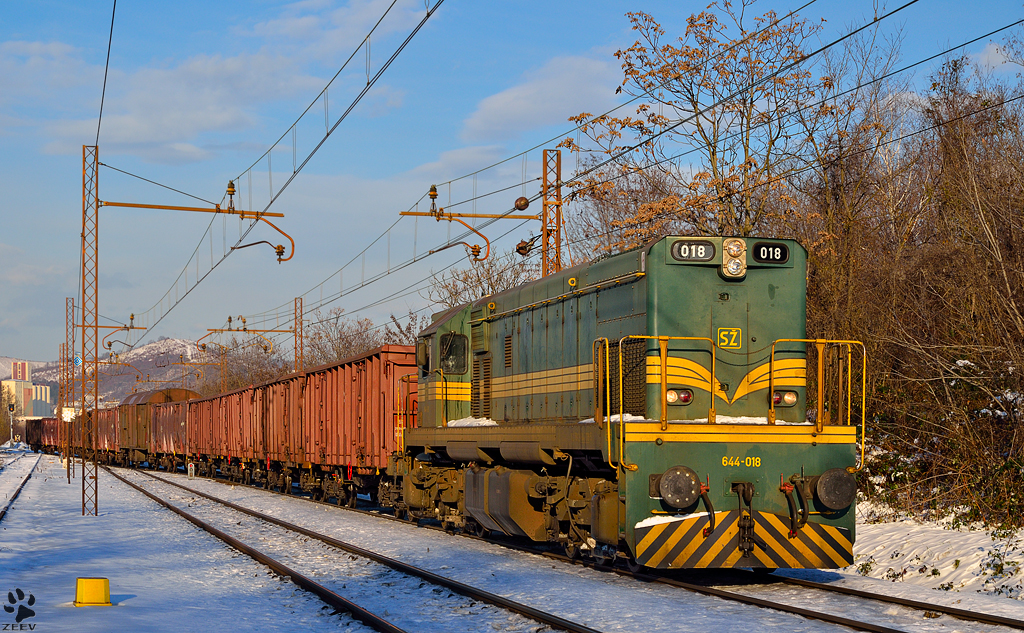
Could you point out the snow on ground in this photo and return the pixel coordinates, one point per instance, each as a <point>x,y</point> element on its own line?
<point>13,469</point>
<point>424,607</point>
<point>962,561</point>
<point>165,574</point>
<point>611,603</point>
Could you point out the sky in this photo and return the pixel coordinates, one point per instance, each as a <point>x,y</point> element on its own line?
<point>197,92</point>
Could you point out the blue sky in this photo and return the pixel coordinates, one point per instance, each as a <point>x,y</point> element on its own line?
<point>197,91</point>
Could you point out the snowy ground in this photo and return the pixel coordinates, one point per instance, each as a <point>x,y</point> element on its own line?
<point>961,561</point>
<point>167,575</point>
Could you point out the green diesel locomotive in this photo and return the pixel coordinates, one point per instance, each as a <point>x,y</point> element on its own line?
<point>652,405</point>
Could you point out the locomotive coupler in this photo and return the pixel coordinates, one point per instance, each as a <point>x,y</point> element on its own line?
<point>747,540</point>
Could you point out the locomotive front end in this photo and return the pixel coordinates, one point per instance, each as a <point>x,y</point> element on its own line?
<point>726,458</point>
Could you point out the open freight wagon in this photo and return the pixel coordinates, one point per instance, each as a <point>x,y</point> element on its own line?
<point>329,429</point>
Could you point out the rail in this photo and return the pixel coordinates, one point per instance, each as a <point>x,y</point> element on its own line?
<point>453,585</point>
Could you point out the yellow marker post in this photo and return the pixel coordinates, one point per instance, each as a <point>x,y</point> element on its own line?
<point>92,592</point>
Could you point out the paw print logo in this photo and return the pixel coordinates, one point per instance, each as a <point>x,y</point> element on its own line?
<point>22,605</point>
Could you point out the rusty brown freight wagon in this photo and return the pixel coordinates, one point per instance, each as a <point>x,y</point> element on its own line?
<point>167,436</point>
<point>52,436</point>
<point>329,430</point>
<point>136,419</point>
<point>107,433</point>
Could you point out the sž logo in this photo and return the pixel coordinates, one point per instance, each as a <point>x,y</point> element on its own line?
<point>21,604</point>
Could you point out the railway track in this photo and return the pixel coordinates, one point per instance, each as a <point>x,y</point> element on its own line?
<point>931,609</point>
<point>714,591</point>
<point>337,601</point>
<point>10,502</point>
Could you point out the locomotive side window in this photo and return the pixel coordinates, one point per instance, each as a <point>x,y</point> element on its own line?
<point>453,353</point>
<point>693,251</point>
<point>770,253</point>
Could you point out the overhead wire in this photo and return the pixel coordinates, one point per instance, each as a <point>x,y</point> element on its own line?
<point>524,153</point>
<point>810,106</point>
<point>622,152</point>
<point>371,82</point>
<point>819,50</point>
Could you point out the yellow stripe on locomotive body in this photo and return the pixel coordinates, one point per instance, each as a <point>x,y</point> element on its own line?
<point>682,372</point>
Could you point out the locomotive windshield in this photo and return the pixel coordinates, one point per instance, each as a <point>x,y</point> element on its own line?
<point>453,353</point>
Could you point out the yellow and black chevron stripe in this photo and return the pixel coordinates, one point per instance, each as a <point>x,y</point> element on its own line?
<point>682,544</point>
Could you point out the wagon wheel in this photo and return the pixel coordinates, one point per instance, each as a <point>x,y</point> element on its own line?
<point>480,530</point>
<point>633,566</point>
<point>401,514</point>
<point>572,550</point>
<point>286,487</point>
<point>352,499</point>
<point>603,561</point>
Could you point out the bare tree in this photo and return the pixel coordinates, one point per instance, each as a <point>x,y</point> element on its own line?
<point>491,276</point>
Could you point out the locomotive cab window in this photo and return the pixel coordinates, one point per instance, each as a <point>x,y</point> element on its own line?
<point>454,348</point>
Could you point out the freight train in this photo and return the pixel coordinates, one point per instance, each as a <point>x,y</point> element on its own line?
<point>651,407</point>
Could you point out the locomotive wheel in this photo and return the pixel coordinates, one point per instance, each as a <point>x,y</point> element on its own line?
<point>480,530</point>
<point>633,566</point>
<point>572,550</point>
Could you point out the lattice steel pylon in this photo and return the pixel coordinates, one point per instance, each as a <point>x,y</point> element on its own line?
<point>90,326</point>
<point>69,381</point>
<point>62,392</point>
<point>300,355</point>
<point>551,217</point>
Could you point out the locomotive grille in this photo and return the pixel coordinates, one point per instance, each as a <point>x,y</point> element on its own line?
<point>634,377</point>
<point>480,392</point>
<point>508,352</point>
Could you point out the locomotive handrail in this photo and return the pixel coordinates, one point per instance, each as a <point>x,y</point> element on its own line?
<point>598,417</point>
<point>820,345</point>
<point>402,414</point>
<point>663,348</point>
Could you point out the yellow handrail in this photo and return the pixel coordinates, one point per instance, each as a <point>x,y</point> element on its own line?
<point>819,417</point>
<point>598,417</point>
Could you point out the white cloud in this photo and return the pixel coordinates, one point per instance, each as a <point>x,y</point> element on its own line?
<point>563,87</point>
<point>161,113</point>
<point>325,31</point>
<point>991,57</point>
<point>459,161</point>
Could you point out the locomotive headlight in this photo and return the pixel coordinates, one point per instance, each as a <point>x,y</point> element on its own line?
<point>734,262</point>
<point>784,398</point>
<point>678,396</point>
